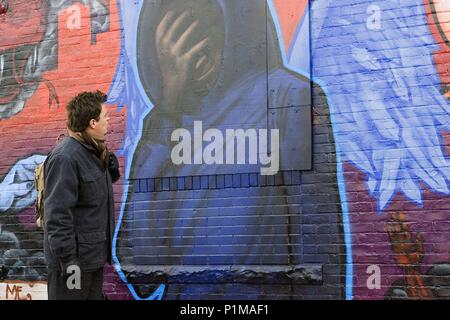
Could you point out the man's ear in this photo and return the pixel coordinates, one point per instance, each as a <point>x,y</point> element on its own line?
<point>92,123</point>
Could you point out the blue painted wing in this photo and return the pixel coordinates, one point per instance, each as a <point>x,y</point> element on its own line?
<point>384,93</point>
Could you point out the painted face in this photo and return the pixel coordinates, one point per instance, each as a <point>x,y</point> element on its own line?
<point>442,17</point>
<point>22,28</point>
<point>439,20</point>
<point>211,26</point>
<point>197,20</point>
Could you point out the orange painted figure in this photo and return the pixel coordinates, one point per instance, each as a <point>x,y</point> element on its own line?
<point>409,252</point>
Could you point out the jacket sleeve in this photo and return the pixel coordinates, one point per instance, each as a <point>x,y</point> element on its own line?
<point>60,198</point>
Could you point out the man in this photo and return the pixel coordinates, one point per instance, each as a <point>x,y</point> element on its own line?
<point>78,205</point>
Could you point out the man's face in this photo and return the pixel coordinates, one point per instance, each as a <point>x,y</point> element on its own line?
<point>100,127</point>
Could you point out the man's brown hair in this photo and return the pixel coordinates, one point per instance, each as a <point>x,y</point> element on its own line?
<point>84,107</point>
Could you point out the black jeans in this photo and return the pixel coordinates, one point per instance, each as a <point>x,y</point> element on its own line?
<point>91,284</point>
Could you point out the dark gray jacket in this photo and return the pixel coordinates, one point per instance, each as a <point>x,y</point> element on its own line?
<point>78,208</point>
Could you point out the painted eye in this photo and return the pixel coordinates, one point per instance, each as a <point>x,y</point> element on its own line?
<point>4,5</point>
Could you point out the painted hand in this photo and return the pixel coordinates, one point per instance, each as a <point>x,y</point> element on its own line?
<point>17,188</point>
<point>181,58</point>
<point>408,250</point>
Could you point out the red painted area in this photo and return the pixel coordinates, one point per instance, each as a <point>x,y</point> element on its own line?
<point>81,67</point>
<point>290,13</point>
<point>23,23</point>
<point>370,240</point>
<point>22,28</point>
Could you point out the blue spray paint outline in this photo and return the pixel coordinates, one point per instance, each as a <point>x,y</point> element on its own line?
<point>159,292</point>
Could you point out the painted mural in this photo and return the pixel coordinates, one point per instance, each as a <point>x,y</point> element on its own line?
<point>29,47</point>
<point>40,68</point>
<point>382,68</point>
<point>376,70</point>
<point>219,63</point>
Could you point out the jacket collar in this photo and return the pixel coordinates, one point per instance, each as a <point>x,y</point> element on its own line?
<point>79,137</point>
<point>97,147</point>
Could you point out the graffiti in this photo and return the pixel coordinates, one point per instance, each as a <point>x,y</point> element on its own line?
<point>16,290</point>
<point>440,9</point>
<point>16,194</point>
<point>359,208</point>
<point>437,12</point>
<point>173,98</point>
<point>390,118</point>
<point>29,45</point>
<point>18,262</point>
<point>36,54</point>
<point>409,254</point>
<point>394,152</point>
<point>199,60</point>
<point>3,6</point>
<point>16,189</point>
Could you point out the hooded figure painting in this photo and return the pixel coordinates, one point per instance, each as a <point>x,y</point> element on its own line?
<point>221,230</point>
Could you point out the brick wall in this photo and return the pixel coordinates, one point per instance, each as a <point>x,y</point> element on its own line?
<point>367,220</point>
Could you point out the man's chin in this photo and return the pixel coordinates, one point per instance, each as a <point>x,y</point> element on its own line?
<point>99,138</point>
